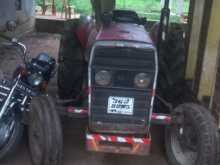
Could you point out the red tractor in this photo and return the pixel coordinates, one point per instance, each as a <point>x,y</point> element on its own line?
<point>124,79</point>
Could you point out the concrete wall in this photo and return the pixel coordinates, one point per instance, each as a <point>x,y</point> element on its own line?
<point>22,14</point>
<point>7,12</point>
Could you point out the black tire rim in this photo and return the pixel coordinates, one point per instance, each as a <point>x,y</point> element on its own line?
<point>184,143</point>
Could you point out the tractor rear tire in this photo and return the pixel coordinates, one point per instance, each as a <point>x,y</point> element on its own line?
<point>45,133</point>
<point>194,141</point>
<point>71,63</point>
<point>172,55</point>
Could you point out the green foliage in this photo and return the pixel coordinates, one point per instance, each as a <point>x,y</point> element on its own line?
<point>148,5</point>
<point>80,6</point>
<point>139,5</point>
<point>150,8</point>
<point>38,2</point>
<point>147,8</point>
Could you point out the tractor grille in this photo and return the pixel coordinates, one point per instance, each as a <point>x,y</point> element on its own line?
<point>117,122</point>
<point>124,63</point>
<point>132,59</point>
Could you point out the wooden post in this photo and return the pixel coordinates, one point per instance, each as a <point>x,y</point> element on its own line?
<point>209,65</point>
<point>107,5</point>
<point>197,18</point>
<point>44,8</point>
<point>64,9</point>
<point>53,8</point>
<point>96,4</point>
<point>100,6</point>
<point>69,9</point>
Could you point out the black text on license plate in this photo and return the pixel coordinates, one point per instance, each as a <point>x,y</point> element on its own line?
<point>120,105</point>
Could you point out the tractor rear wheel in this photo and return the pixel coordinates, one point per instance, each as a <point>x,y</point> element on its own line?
<point>172,57</point>
<point>45,133</point>
<point>71,63</point>
<point>193,141</point>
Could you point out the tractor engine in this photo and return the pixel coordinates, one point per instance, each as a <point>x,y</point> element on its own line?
<point>123,70</point>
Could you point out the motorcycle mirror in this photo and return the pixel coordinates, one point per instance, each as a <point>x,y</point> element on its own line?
<point>11,26</point>
<point>15,42</point>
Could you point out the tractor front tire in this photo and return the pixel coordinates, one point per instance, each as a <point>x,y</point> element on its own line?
<point>193,141</point>
<point>45,133</point>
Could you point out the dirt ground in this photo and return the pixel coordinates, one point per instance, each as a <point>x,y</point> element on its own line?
<point>74,137</point>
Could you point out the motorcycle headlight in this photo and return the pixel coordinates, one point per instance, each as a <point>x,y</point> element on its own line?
<point>35,79</point>
<point>142,80</point>
<point>103,78</point>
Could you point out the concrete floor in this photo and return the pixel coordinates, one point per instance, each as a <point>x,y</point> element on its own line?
<point>74,137</point>
<point>75,153</point>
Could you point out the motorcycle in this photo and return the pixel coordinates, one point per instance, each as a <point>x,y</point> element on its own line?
<point>24,101</point>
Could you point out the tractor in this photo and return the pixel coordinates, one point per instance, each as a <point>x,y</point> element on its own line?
<point>124,79</point>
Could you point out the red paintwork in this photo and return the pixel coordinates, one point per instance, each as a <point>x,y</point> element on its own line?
<point>162,119</point>
<point>83,33</point>
<point>118,144</point>
<point>89,33</point>
<point>156,118</point>
<point>124,32</point>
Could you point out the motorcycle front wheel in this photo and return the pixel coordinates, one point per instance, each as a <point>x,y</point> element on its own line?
<point>11,132</point>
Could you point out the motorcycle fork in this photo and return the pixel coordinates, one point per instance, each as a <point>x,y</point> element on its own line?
<point>7,101</point>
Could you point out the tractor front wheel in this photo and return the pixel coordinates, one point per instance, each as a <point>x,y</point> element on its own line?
<point>192,141</point>
<point>45,133</point>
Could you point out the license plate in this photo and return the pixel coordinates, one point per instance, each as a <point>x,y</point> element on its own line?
<point>120,105</point>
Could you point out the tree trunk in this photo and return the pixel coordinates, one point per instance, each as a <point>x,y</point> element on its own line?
<point>53,8</point>
<point>44,7</point>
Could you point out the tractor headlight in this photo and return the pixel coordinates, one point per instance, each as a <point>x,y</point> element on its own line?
<point>35,79</point>
<point>103,78</point>
<point>142,80</point>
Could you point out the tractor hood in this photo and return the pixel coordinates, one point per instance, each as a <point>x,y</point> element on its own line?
<point>124,32</point>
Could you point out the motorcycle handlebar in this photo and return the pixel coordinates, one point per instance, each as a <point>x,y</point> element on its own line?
<point>22,46</point>
<point>15,42</point>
